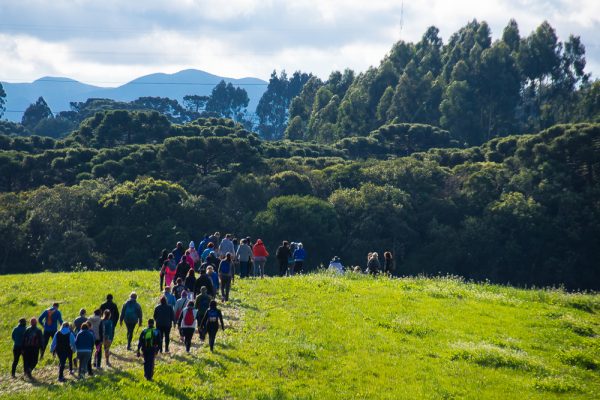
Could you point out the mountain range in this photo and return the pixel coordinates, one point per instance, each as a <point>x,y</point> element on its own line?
<point>59,91</point>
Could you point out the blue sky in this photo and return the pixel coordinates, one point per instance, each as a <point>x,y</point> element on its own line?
<point>110,42</point>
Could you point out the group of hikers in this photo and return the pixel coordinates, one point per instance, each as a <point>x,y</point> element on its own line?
<point>186,302</point>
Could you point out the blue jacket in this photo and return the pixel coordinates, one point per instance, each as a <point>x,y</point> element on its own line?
<point>171,300</point>
<point>300,254</point>
<point>84,342</point>
<point>177,253</point>
<point>50,319</point>
<point>17,335</point>
<point>202,245</point>
<point>215,279</point>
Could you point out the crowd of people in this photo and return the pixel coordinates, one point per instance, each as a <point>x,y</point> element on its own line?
<point>190,281</point>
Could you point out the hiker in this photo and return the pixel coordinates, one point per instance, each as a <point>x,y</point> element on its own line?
<point>165,318</point>
<point>63,345</point>
<point>95,324</point>
<point>260,255</point>
<point>215,240</point>
<point>131,313</point>
<point>214,277</point>
<point>299,257</point>
<point>149,342</point>
<point>283,254</point>
<point>190,281</point>
<point>244,257</point>
<point>161,261</point>
<point>182,269</point>
<point>335,265</point>
<point>291,262</point>
<point>204,280</point>
<point>169,269</point>
<point>388,262</point>
<point>202,304</point>
<point>213,260</point>
<point>226,276</point>
<point>210,246</point>
<point>178,252</point>
<point>210,323</point>
<point>180,305</point>
<point>112,307</point>
<point>202,245</point>
<point>226,246</point>
<point>193,253</point>
<point>171,300</point>
<point>49,319</point>
<point>188,259</point>
<point>17,338</point>
<point>84,344</point>
<point>178,288</point>
<point>80,320</point>
<point>108,332</point>
<point>33,342</point>
<point>373,266</point>
<point>187,324</point>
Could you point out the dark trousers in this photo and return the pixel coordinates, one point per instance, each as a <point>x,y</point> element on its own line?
<point>17,352</point>
<point>188,333</point>
<point>225,286</point>
<point>48,335</point>
<point>165,332</point>
<point>30,358</point>
<point>244,269</point>
<point>84,358</point>
<point>62,361</point>
<point>149,355</point>
<point>98,355</point>
<point>70,358</point>
<point>212,335</point>
<point>130,328</point>
<point>283,265</point>
<point>298,266</point>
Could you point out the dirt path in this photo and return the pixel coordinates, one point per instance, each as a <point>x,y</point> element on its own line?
<point>46,373</point>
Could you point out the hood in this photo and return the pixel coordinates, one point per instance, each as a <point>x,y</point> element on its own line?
<point>192,245</point>
<point>65,330</point>
<point>259,242</point>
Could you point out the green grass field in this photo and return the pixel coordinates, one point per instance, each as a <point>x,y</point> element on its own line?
<point>322,337</point>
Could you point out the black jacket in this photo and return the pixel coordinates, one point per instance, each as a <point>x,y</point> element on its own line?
<point>114,311</point>
<point>204,280</point>
<point>164,315</point>
<point>283,253</point>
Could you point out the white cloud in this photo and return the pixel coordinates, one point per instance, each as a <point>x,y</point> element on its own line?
<point>115,41</point>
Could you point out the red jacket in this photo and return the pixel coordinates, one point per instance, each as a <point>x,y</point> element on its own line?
<point>259,249</point>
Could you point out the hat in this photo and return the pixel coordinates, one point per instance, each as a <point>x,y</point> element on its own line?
<point>192,245</point>
<point>336,259</point>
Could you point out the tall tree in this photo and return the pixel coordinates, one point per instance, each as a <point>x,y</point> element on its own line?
<point>194,102</point>
<point>35,113</point>
<point>228,101</point>
<point>2,100</point>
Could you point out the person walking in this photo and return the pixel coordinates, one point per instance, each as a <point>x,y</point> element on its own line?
<point>204,280</point>
<point>202,304</point>
<point>108,332</point>
<point>388,263</point>
<point>149,343</point>
<point>49,319</point>
<point>95,324</point>
<point>194,253</point>
<point>282,254</point>
<point>260,255</point>
<point>131,313</point>
<point>336,266</point>
<point>188,259</point>
<point>182,270</point>
<point>63,344</point>
<point>226,246</point>
<point>299,257</point>
<point>17,337</point>
<point>180,305</point>
<point>210,322</point>
<point>113,308</point>
<point>187,324</point>
<point>84,344</point>
<point>33,342</point>
<point>169,269</point>
<point>214,277</point>
<point>161,261</point>
<point>171,300</point>
<point>80,320</point>
<point>164,316</point>
<point>178,252</point>
<point>373,266</point>
<point>244,257</point>
<point>190,281</point>
<point>226,274</point>
<point>178,289</point>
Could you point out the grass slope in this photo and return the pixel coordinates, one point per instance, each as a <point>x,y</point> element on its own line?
<point>319,337</point>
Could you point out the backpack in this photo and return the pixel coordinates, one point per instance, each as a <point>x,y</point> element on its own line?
<point>130,312</point>
<point>178,312</point>
<point>148,338</point>
<point>31,339</point>
<point>49,313</point>
<point>188,319</point>
<point>213,317</point>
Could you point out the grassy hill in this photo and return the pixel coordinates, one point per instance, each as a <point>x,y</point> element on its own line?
<point>320,336</point>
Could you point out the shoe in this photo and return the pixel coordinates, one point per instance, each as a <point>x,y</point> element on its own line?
<point>71,372</point>
<point>13,375</point>
<point>61,379</point>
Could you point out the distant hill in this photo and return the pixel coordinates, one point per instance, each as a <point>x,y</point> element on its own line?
<point>59,91</point>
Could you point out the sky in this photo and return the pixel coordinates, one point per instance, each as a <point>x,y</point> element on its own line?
<point>110,42</point>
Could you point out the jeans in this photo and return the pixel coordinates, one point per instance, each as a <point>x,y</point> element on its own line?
<point>165,332</point>
<point>84,358</point>
<point>17,352</point>
<point>244,269</point>
<point>225,286</point>
<point>259,267</point>
<point>130,329</point>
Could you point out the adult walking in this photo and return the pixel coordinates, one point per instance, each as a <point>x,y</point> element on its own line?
<point>84,344</point>
<point>112,307</point>
<point>95,324</point>
<point>260,254</point>
<point>164,316</point>
<point>210,322</point>
<point>204,280</point>
<point>63,345</point>
<point>131,313</point>
<point>17,337</point>
<point>226,276</point>
<point>50,319</point>
<point>373,266</point>
<point>283,254</point>
<point>33,341</point>
<point>108,332</point>
<point>226,246</point>
<point>149,343</point>
<point>178,252</point>
<point>299,257</point>
<point>202,305</point>
<point>187,324</point>
<point>388,263</point>
<point>244,257</point>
